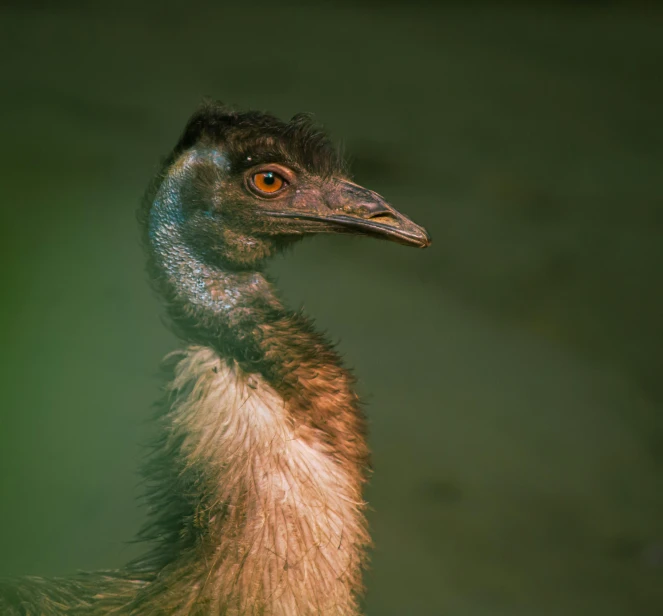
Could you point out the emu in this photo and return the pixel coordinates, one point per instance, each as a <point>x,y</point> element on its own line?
<point>255,484</point>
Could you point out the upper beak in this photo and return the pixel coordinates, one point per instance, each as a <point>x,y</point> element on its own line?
<point>354,209</point>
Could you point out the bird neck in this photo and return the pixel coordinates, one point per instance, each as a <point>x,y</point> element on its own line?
<point>207,298</point>
<point>257,486</point>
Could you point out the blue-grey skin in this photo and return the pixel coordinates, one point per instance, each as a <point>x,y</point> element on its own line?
<point>201,284</point>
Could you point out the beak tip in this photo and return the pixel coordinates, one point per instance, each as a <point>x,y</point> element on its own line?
<point>426,239</point>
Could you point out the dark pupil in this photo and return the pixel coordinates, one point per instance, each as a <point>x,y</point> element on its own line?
<point>269,179</point>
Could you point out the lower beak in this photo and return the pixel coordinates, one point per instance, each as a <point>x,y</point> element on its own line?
<point>389,225</point>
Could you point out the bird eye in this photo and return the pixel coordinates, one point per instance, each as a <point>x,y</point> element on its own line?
<point>268,182</point>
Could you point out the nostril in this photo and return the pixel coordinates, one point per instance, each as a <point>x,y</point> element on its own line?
<point>375,210</point>
<point>386,216</point>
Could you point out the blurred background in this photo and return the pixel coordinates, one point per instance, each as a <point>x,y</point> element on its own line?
<point>512,371</point>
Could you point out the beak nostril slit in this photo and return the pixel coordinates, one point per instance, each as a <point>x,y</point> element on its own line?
<point>378,215</point>
<point>373,210</point>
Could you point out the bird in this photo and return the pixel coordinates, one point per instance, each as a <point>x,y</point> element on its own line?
<point>254,486</point>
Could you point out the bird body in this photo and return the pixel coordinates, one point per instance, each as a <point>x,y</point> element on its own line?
<point>255,484</point>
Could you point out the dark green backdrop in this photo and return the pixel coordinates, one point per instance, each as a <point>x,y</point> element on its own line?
<point>513,370</point>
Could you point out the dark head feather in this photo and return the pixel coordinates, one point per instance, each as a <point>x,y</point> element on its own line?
<point>253,137</point>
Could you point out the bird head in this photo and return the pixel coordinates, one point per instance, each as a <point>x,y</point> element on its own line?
<point>249,184</point>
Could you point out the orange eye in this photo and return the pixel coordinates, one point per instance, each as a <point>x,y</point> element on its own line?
<point>268,182</point>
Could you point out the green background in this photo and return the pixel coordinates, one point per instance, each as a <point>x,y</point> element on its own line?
<point>512,370</point>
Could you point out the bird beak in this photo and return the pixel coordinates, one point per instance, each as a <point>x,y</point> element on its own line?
<point>350,208</point>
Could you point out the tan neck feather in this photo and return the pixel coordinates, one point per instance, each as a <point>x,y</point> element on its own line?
<point>282,530</point>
